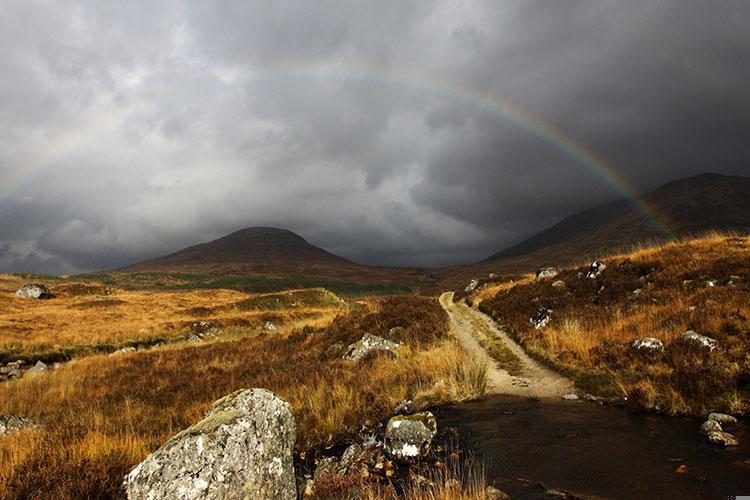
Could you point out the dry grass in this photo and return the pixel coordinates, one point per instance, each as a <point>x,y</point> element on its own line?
<point>84,318</point>
<point>653,292</point>
<point>102,415</point>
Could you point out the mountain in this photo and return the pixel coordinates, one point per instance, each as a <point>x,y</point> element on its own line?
<point>255,248</point>
<point>686,207</point>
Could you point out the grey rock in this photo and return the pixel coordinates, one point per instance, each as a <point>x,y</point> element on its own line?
<point>723,438</point>
<point>542,318</point>
<point>471,286</point>
<point>710,426</point>
<point>326,467</point>
<point>408,437</point>
<point>722,418</point>
<point>648,344</point>
<point>15,423</point>
<point>39,367</point>
<point>350,456</point>
<point>193,338</point>
<point>699,340</point>
<point>395,331</point>
<point>546,272</point>
<point>570,397</point>
<point>124,350</point>
<point>370,343</point>
<point>14,372</point>
<point>492,493</point>
<point>241,449</point>
<point>34,291</point>
<point>558,284</point>
<point>710,283</point>
<point>596,269</point>
<point>270,326</point>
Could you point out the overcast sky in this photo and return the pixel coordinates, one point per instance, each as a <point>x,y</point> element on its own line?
<point>132,129</point>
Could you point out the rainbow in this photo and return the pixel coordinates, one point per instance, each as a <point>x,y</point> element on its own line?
<point>505,110</point>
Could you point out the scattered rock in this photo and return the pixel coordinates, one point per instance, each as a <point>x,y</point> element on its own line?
<point>592,398</point>
<point>471,286</point>
<point>723,438</point>
<point>204,328</point>
<point>368,344</point>
<point>242,447</point>
<point>722,418</point>
<point>409,437</point>
<point>14,423</point>
<point>326,467</point>
<point>193,338</point>
<point>396,331</point>
<point>402,407</point>
<point>270,326</point>
<point>710,426</point>
<point>39,367</point>
<point>124,350</point>
<point>558,284</point>
<point>699,340</point>
<point>546,272</point>
<point>492,493</point>
<point>596,269</point>
<point>34,291</point>
<point>710,283</point>
<point>542,318</point>
<point>570,397</point>
<point>638,291</point>
<point>648,344</point>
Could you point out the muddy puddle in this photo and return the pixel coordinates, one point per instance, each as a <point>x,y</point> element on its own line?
<point>528,447</point>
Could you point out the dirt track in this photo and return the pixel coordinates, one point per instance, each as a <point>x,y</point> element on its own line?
<point>534,379</point>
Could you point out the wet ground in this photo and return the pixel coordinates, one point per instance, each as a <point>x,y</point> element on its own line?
<point>529,447</point>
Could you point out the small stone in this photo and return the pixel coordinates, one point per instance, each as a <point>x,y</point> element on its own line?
<point>722,418</point>
<point>15,423</point>
<point>370,343</point>
<point>409,437</point>
<point>492,493</point>
<point>699,340</point>
<point>723,438</point>
<point>39,367</point>
<point>596,269</point>
<point>396,331</point>
<point>471,286</point>
<point>710,283</point>
<point>542,318</point>
<point>649,344</point>
<point>193,338</point>
<point>546,272</point>
<point>570,397</point>
<point>558,284</point>
<point>270,326</point>
<point>710,426</point>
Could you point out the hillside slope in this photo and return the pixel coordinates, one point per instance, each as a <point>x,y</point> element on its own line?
<point>687,206</point>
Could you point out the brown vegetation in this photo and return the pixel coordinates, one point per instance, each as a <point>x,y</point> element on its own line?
<point>656,292</point>
<point>88,318</point>
<point>101,415</point>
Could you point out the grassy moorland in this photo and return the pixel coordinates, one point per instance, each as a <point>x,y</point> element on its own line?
<point>660,292</point>
<point>88,318</point>
<point>101,415</point>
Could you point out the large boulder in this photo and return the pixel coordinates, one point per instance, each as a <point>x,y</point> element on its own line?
<point>370,344</point>
<point>408,437</point>
<point>241,449</point>
<point>14,423</point>
<point>34,291</point>
<point>722,418</point>
<point>546,272</point>
<point>699,340</point>
<point>710,426</point>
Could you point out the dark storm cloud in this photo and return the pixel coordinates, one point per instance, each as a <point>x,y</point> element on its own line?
<point>131,129</point>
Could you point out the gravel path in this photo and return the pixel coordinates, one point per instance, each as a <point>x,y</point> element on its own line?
<point>534,380</point>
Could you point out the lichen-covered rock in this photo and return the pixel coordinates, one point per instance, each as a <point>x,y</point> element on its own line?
<point>710,426</point>
<point>722,438</point>
<point>241,449</point>
<point>34,291</point>
<point>699,340</point>
<point>546,272</point>
<point>408,437</point>
<point>471,286</point>
<point>596,269</point>
<point>368,344</point>
<point>14,423</point>
<point>570,397</point>
<point>542,318</point>
<point>648,344</point>
<point>722,418</point>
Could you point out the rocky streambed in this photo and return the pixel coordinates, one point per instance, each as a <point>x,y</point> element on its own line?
<point>535,448</point>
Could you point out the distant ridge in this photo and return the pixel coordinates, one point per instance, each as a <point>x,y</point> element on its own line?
<point>688,206</point>
<point>255,248</point>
